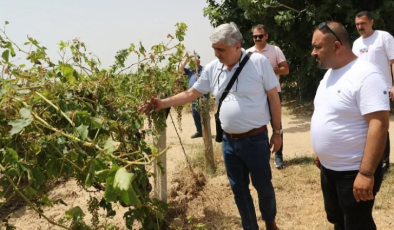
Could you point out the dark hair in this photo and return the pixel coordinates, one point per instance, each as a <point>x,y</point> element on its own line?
<point>259,27</point>
<point>364,13</point>
<point>339,30</point>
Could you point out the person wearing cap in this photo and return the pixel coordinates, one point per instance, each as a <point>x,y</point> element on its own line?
<point>279,64</point>
<point>377,47</point>
<point>244,116</point>
<point>348,129</point>
<point>193,75</point>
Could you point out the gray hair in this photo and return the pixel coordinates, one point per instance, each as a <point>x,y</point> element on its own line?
<point>227,33</point>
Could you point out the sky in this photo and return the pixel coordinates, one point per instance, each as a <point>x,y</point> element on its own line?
<point>106,26</point>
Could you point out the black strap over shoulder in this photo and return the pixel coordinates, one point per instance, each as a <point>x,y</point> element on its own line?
<point>233,78</point>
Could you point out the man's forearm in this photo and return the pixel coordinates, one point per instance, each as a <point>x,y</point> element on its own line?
<point>281,70</point>
<point>181,98</point>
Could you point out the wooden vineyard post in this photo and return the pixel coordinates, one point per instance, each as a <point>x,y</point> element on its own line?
<point>160,188</point>
<point>207,135</point>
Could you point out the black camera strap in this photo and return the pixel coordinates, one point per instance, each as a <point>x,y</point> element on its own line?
<point>233,78</point>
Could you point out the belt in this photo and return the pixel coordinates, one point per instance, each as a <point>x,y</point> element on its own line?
<point>250,133</point>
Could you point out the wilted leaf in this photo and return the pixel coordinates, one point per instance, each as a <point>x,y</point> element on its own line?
<point>91,172</point>
<point>110,192</point>
<point>111,146</point>
<point>45,200</point>
<point>123,179</point>
<point>83,131</point>
<point>29,191</point>
<point>38,177</point>
<point>24,91</point>
<point>18,125</point>
<point>12,154</point>
<point>75,213</point>
<point>53,167</point>
<point>96,122</point>
<point>26,112</point>
<point>130,198</point>
<point>104,174</point>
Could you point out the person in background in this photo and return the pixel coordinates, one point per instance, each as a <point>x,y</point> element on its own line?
<point>244,116</point>
<point>193,75</point>
<point>348,129</point>
<point>279,64</point>
<point>377,47</point>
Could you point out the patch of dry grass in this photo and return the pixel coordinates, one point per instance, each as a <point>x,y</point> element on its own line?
<point>298,194</point>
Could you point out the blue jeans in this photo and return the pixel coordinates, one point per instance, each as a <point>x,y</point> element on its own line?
<point>196,114</point>
<point>341,207</point>
<point>250,156</point>
<point>279,153</point>
<point>196,117</point>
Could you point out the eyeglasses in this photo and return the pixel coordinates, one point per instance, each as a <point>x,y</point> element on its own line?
<point>260,36</point>
<point>324,25</point>
<point>220,73</point>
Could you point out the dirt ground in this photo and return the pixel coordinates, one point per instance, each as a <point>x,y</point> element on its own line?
<point>215,199</point>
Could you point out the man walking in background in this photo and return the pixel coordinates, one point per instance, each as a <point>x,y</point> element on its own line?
<point>278,62</point>
<point>377,47</point>
<point>348,129</point>
<point>193,76</point>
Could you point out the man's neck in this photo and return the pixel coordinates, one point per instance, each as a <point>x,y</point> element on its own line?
<point>344,60</point>
<point>368,35</point>
<point>260,47</point>
<point>230,66</point>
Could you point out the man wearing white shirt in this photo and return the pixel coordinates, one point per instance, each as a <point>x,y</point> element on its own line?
<point>377,47</point>
<point>244,116</point>
<point>348,129</point>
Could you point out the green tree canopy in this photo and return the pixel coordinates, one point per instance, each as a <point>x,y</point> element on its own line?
<point>291,24</point>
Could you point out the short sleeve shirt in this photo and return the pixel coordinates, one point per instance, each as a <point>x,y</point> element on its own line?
<point>377,49</point>
<point>274,54</point>
<point>245,107</point>
<point>338,127</point>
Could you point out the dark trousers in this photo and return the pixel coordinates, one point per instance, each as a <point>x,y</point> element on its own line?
<point>386,155</point>
<point>341,207</point>
<point>279,153</point>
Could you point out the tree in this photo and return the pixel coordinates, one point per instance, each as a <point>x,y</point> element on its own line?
<point>291,24</point>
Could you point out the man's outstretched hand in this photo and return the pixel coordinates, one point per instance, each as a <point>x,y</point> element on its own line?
<point>155,104</point>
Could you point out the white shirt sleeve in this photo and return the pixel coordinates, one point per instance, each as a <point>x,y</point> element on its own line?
<point>203,84</point>
<point>373,95</point>
<point>389,46</point>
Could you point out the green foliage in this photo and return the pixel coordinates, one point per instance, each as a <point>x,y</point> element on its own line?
<point>74,120</point>
<point>291,25</point>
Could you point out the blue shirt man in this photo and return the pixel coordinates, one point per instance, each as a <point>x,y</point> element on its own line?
<point>193,77</point>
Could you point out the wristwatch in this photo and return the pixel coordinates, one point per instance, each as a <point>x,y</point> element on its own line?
<point>280,131</point>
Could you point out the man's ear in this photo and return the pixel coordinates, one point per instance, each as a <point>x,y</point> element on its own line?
<point>337,45</point>
<point>238,45</point>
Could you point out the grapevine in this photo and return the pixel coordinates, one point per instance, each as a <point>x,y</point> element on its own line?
<point>71,119</point>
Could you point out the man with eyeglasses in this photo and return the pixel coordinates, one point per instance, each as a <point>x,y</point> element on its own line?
<point>244,116</point>
<point>348,129</point>
<point>279,64</point>
<point>377,47</point>
<point>193,75</point>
